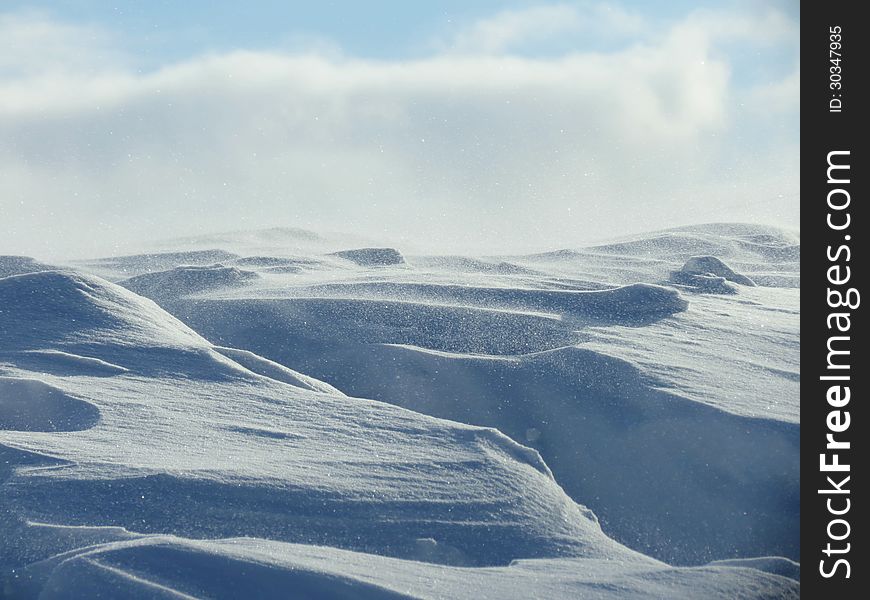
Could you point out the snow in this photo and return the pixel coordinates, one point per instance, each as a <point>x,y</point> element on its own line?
<point>270,416</point>
<point>624,303</point>
<point>710,265</point>
<point>770,564</point>
<point>31,405</point>
<point>120,267</point>
<point>188,280</point>
<point>370,257</point>
<point>272,370</point>
<point>17,265</point>
<point>153,566</point>
<point>64,363</point>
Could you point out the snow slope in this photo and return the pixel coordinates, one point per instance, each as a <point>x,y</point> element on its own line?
<point>167,566</point>
<point>641,398</point>
<point>227,450</point>
<point>617,441</point>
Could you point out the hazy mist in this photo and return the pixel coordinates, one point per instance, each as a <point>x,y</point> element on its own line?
<point>477,143</point>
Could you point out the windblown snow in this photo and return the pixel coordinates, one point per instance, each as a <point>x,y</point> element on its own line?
<point>264,414</point>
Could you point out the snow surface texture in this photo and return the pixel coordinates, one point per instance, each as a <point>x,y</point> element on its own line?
<point>213,440</point>
<point>372,257</point>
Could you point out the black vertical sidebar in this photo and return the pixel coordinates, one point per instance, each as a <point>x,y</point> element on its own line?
<point>835,344</point>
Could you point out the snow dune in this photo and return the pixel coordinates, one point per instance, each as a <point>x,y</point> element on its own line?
<point>168,566</point>
<point>351,473</point>
<point>635,453</point>
<point>627,303</point>
<point>31,405</point>
<point>121,267</point>
<point>769,256</point>
<point>63,363</point>
<point>272,370</point>
<point>372,257</point>
<point>18,265</point>
<point>605,382</point>
<point>214,439</point>
<point>189,280</point>
<point>710,265</point>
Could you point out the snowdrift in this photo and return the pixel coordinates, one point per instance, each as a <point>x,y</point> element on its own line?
<point>179,448</point>
<point>610,436</point>
<point>58,310</point>
<point>215,437</point>
<point>728,240</point>
<point>372,257</point>
<point>166,565</point>
<point>767,256</point>
<point>630,303</point>
<point>18,265</point>
<point>465,264</point>
<point>629,368</point>
<point>182,281</point>
<point>703,282</point>
<point>122,267</point>
<point>31,405</point>
<point>710,265</point>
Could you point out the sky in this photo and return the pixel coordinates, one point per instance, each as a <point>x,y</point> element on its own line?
<point>445,126</point>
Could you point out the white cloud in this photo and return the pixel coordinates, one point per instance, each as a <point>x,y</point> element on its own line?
<point>779,97</point>
<point>502,32</point>
<point>33,44</point>
<point>763,26</point>
<point>462,149</point>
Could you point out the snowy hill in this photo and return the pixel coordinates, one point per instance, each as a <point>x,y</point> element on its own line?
<point>204,428</point>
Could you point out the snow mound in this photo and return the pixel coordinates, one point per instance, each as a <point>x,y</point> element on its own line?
<point>169,566</point>
<point>263,261</point>
<point>272,370</point>
<point>121,267</point>
<point>710,265</point>
<point>85,316</point>
<point>183,281</point>
<point>768,255</point>
<point>18,265</point>
<point>733,240</point>
<point>608,435</point>
<point>192,442</point>
<point>70,324</point>
<point>703,282</point>
<point>466,264</point>
<point>606,427</point>
<point>276,265</point>
<point>372,257</point>
<point>284,270</point>
<point>295,331</point>
<point>567,378</point>
<point>31,405</point>
<point>64,363</point>
<point>630,303</point>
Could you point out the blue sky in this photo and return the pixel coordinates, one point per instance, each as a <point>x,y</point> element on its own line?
<point>576,119</point>
<point>166,30</point>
